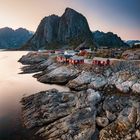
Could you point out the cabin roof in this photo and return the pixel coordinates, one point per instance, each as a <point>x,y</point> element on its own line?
<point>70,51</point>
<point>100,58</point>
<point>77,57</point>
<point>67,56</point>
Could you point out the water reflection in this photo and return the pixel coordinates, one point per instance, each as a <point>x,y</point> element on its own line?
<point>12,87</point>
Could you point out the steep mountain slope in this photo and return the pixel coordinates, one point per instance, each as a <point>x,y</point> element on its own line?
<point>13,39</point>
<point>132,42</point>
<point>71,29</point>
<point>108,39</point>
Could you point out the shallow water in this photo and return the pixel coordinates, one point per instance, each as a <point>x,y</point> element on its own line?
<point>13,87</point>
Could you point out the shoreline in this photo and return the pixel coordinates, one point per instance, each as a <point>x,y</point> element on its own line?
<point>123,76</point>
<point>95,92</point>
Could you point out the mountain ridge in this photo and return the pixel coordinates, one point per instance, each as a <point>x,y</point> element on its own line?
<point>13,39</point>
<point>70,29</point>
<point>108,39</point>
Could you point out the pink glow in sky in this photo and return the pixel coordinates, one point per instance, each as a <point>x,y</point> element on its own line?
<point>101,14</point>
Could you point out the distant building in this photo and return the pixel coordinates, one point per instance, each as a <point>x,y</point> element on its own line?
<point>131,55</point>
<point>76,60</point>
<point>101,61</point>
<point>88,61</point>
<point>63,58</point>
<point>47,51</point>
<point>70,59</point>
<point>42,50</point>
<point>59,52</point>
<point>87,53</point>
<point>138,43</point>
<point>88,50</point>
<point>103,47</point>
<point>70,52</point>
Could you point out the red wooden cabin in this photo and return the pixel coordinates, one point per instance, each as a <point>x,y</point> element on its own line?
<point>101,62</point>
<point>76,60</point>
<point>63,58</point>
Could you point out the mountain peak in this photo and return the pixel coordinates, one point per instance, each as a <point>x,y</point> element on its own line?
<point>70,29</point>
<point>52,16</point>
<point>6,29</point>
<point>13,39</point>
<point>70,10</point>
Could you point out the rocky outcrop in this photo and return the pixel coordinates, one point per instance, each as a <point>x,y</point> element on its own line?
<point>125,77</point>
<point>81,82</point>
<point>123,127</point>
<point>102,106</point>
<point>81,115</point>
<point>45,65</point>
<point>121,77</point>
<point>98,82</point>
<point>71,29</point>
<point>136,87</point>
<point>61,115</point>
<point>114,104</point>
<point>131,54</point>
<point>102,121</point>
<point>33,58</point>
<point>88,80</point>
<point>60,75</point>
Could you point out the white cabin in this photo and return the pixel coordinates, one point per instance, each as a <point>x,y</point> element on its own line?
<point>70,52</point>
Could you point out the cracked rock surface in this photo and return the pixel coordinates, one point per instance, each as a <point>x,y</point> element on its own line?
<point>103,104</point>
<point>84,115</point>
<point>61,115</point>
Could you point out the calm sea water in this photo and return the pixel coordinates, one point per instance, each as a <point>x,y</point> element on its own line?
<point>13,87</point>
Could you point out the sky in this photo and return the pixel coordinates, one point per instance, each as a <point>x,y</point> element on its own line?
<point>118,16</point>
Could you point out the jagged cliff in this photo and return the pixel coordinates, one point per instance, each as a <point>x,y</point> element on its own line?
<point>71,29</point>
